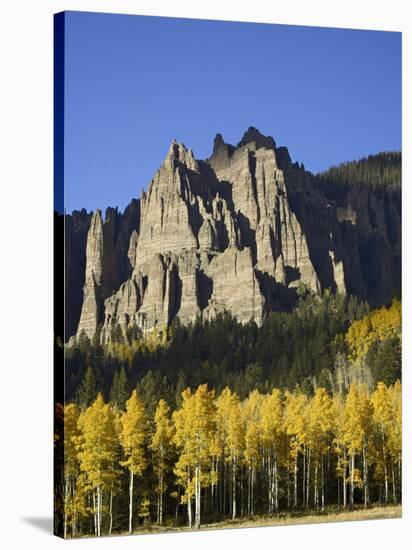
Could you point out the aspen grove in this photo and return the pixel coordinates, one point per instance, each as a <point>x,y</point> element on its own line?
<point>217,457</point>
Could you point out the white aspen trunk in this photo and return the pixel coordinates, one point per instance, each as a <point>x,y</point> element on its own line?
<point>98,511</point>
<point>197,497</point>
<point>393,485</point>
<point>95,513</point>
<point>66,490</point>
<point>276,476</point>
<point>304,476</point>
<point>74,515</point>
<point>365,479</point>
<point>344,478</point>
<point>234,487</point>
<point>352,479</point>
<point>131,501</point>
<point>161,500</point>
<point>315,493</point>
<point>295,482</point>
<point>241,490</point>
<point>248,490</point>
<point>385,469</point>
<point>308,481</point>
<point>288,486</point>
<point>224,487</point>
<point>189,501</point>
<point>252,491</point>
<point>270,484</point>
<point>189,511</point>
<point>322,483</point>
<point>111,512</point>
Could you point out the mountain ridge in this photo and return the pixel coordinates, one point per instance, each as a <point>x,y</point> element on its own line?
<point>244,230</point>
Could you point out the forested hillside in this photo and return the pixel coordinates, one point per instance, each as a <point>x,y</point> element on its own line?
<point>311,346</point>
<point>217,420</point>
<point>380,170</point>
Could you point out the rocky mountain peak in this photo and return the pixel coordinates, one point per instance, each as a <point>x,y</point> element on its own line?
<point>218,143</point>
<point>253,135</point>
<point>241,232</point>
<point>178,153</point>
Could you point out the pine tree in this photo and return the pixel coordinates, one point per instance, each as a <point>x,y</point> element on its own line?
<point>119,389</point>
<point>87,391</point>
<point>132,438</point>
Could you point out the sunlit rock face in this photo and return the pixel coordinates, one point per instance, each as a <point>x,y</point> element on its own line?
<point>243,231</point>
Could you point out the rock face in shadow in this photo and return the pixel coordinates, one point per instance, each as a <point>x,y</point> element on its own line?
<point>239,232</point>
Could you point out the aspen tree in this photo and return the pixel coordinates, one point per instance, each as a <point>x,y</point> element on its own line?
<point>382,412</point>
<point>71,467</point>
<point>97,451</point>
<point>195,431</point>
<point>320,423</point>
<point>296,427</point>
<point>272,431</point>
<point>357,436</point>
<point>252,453</point>
<point>161,445</point>
<point>132,438</point>
<point>231,430</point>
<point>395,437</point>
<point>340,447</point>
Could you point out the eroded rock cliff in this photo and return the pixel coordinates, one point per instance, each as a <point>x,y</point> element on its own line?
<point>242,231</point>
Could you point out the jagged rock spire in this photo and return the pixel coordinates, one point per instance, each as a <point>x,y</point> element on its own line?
<point>239,232</point>
<point>252,135</point>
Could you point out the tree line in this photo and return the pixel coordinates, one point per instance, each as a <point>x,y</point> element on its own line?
<point>314,345</point>
<point>216,457</point>
<point>380,170</point>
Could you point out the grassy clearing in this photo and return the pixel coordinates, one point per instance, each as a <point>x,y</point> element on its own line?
<point>328,516</point>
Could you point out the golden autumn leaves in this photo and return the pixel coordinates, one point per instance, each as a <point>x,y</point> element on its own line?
<point>281,450</point>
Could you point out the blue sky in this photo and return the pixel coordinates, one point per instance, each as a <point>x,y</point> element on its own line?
<point>134,83</point>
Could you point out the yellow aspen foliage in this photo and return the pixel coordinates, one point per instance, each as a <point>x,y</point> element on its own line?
<point>97,448</point>
<point>132,435</point>
<point>71,468</point>
<point>132,438</point>
<point>296,425</point>
<point>161,446</point>
<point>273,440</point>
<point>358,419</point>
<point>376,326</point>
<point>229,424</point>
<point>395,434</point>
<point>231,432</point>
<point>320,421</point>
<point>195,431</point>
